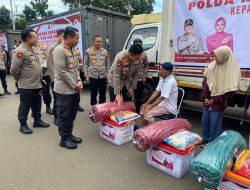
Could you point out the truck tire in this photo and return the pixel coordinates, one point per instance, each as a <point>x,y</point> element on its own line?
<point>148,90</point>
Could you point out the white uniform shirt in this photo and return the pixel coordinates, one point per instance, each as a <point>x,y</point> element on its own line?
<point>168,89</point>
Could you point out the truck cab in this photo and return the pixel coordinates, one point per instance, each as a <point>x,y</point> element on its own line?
<point>160,44</point>
<point>150,34</point>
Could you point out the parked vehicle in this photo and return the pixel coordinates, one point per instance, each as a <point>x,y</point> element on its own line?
<point>160,41</point>
<point>112,26</point>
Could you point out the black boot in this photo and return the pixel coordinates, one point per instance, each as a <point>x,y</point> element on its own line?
<point>39,123</point>
<point>7,92</point>
<point>68,143</point>
<point>25,129</point>
<point>80,109</point>
<point>17,91</point>
<point>75,139</point>
<point>48,110</point>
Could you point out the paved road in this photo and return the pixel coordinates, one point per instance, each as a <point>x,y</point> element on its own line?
<point>36,162</point>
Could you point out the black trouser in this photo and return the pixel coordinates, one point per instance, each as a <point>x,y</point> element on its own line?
<point>82,75</point>
<point>46,90</point>
<point>66,113</point>
<point>96,84</point>
<point>54,96</point>
<point>124,94</point>
<point>16,84</point>
<point>29,98</point>
<point>3,79</point>
<point>138,96</point>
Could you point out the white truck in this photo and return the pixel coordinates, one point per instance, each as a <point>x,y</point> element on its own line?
<point>160,42</point>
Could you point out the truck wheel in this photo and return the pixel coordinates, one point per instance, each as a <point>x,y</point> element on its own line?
<point>148,89</point>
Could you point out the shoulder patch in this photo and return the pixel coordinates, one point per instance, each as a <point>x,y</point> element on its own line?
<point>19,55</point>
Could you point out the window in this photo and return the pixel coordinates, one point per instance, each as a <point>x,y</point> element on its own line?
<point>147,35</point>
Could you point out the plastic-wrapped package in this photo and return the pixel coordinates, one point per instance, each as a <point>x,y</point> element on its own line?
<point>103,111</point>
<point>242,165</point>
<point>153,134</point>
<point>183,140</point>
<point>209,166</point>
<point>124,116</point>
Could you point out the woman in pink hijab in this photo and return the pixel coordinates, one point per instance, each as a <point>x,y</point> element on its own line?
<point>220,38</point>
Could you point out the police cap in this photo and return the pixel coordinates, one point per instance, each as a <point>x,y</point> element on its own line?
<point>188,22</point>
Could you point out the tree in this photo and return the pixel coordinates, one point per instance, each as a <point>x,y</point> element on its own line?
<point>20,22</point>
<point>40,7</point>
<point>29,14</point>
<point>5,21</point>
<point>139,6</point>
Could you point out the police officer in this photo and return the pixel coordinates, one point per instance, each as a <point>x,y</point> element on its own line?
<point>3,62</point>
<point>67,87</point>
<point>96,65</point>
<point>77,54</point>
<point>27,71</point>
<point>189,43</point>
<point>42,50</point>
<point>50,66</point>
<point>17,43</point>
<point>123,74</point>
<point>141,77</point>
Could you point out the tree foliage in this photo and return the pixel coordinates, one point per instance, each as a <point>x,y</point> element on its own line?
<point>40,7</point>
<point>139,6</point>
<point>29,14</point>
<point>5,21</point>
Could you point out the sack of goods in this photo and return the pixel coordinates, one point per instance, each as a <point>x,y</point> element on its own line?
<point>183,140</point>
<point>209,166</point>
<point>101,112</point>
<point>124,116</point>
<point>153,134</point>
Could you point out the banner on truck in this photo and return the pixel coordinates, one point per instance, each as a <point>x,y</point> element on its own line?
<point>204,25</point>
<point>3,40</point>
<point>46,31</point>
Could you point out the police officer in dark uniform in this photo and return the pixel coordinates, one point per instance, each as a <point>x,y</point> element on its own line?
<point>27,71</point>
<point>67,86</point>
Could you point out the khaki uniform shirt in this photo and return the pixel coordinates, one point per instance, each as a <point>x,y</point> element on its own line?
<point>3,60</point>
<point>190,45</point>
<point>66,72</point>
<point>123,72</point>
<point>144,64</point>
<point>26,68</point>
<point>42,50</point>
<point>50,62</point>
<point>78,58</point>
<point>96,63</point>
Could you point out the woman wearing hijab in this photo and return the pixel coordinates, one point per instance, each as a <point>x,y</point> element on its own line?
<point>221,81</point>
<point>220,37</point>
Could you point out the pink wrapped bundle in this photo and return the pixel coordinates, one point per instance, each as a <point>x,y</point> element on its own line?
<point>103,111</point>
<point>155,133</point>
